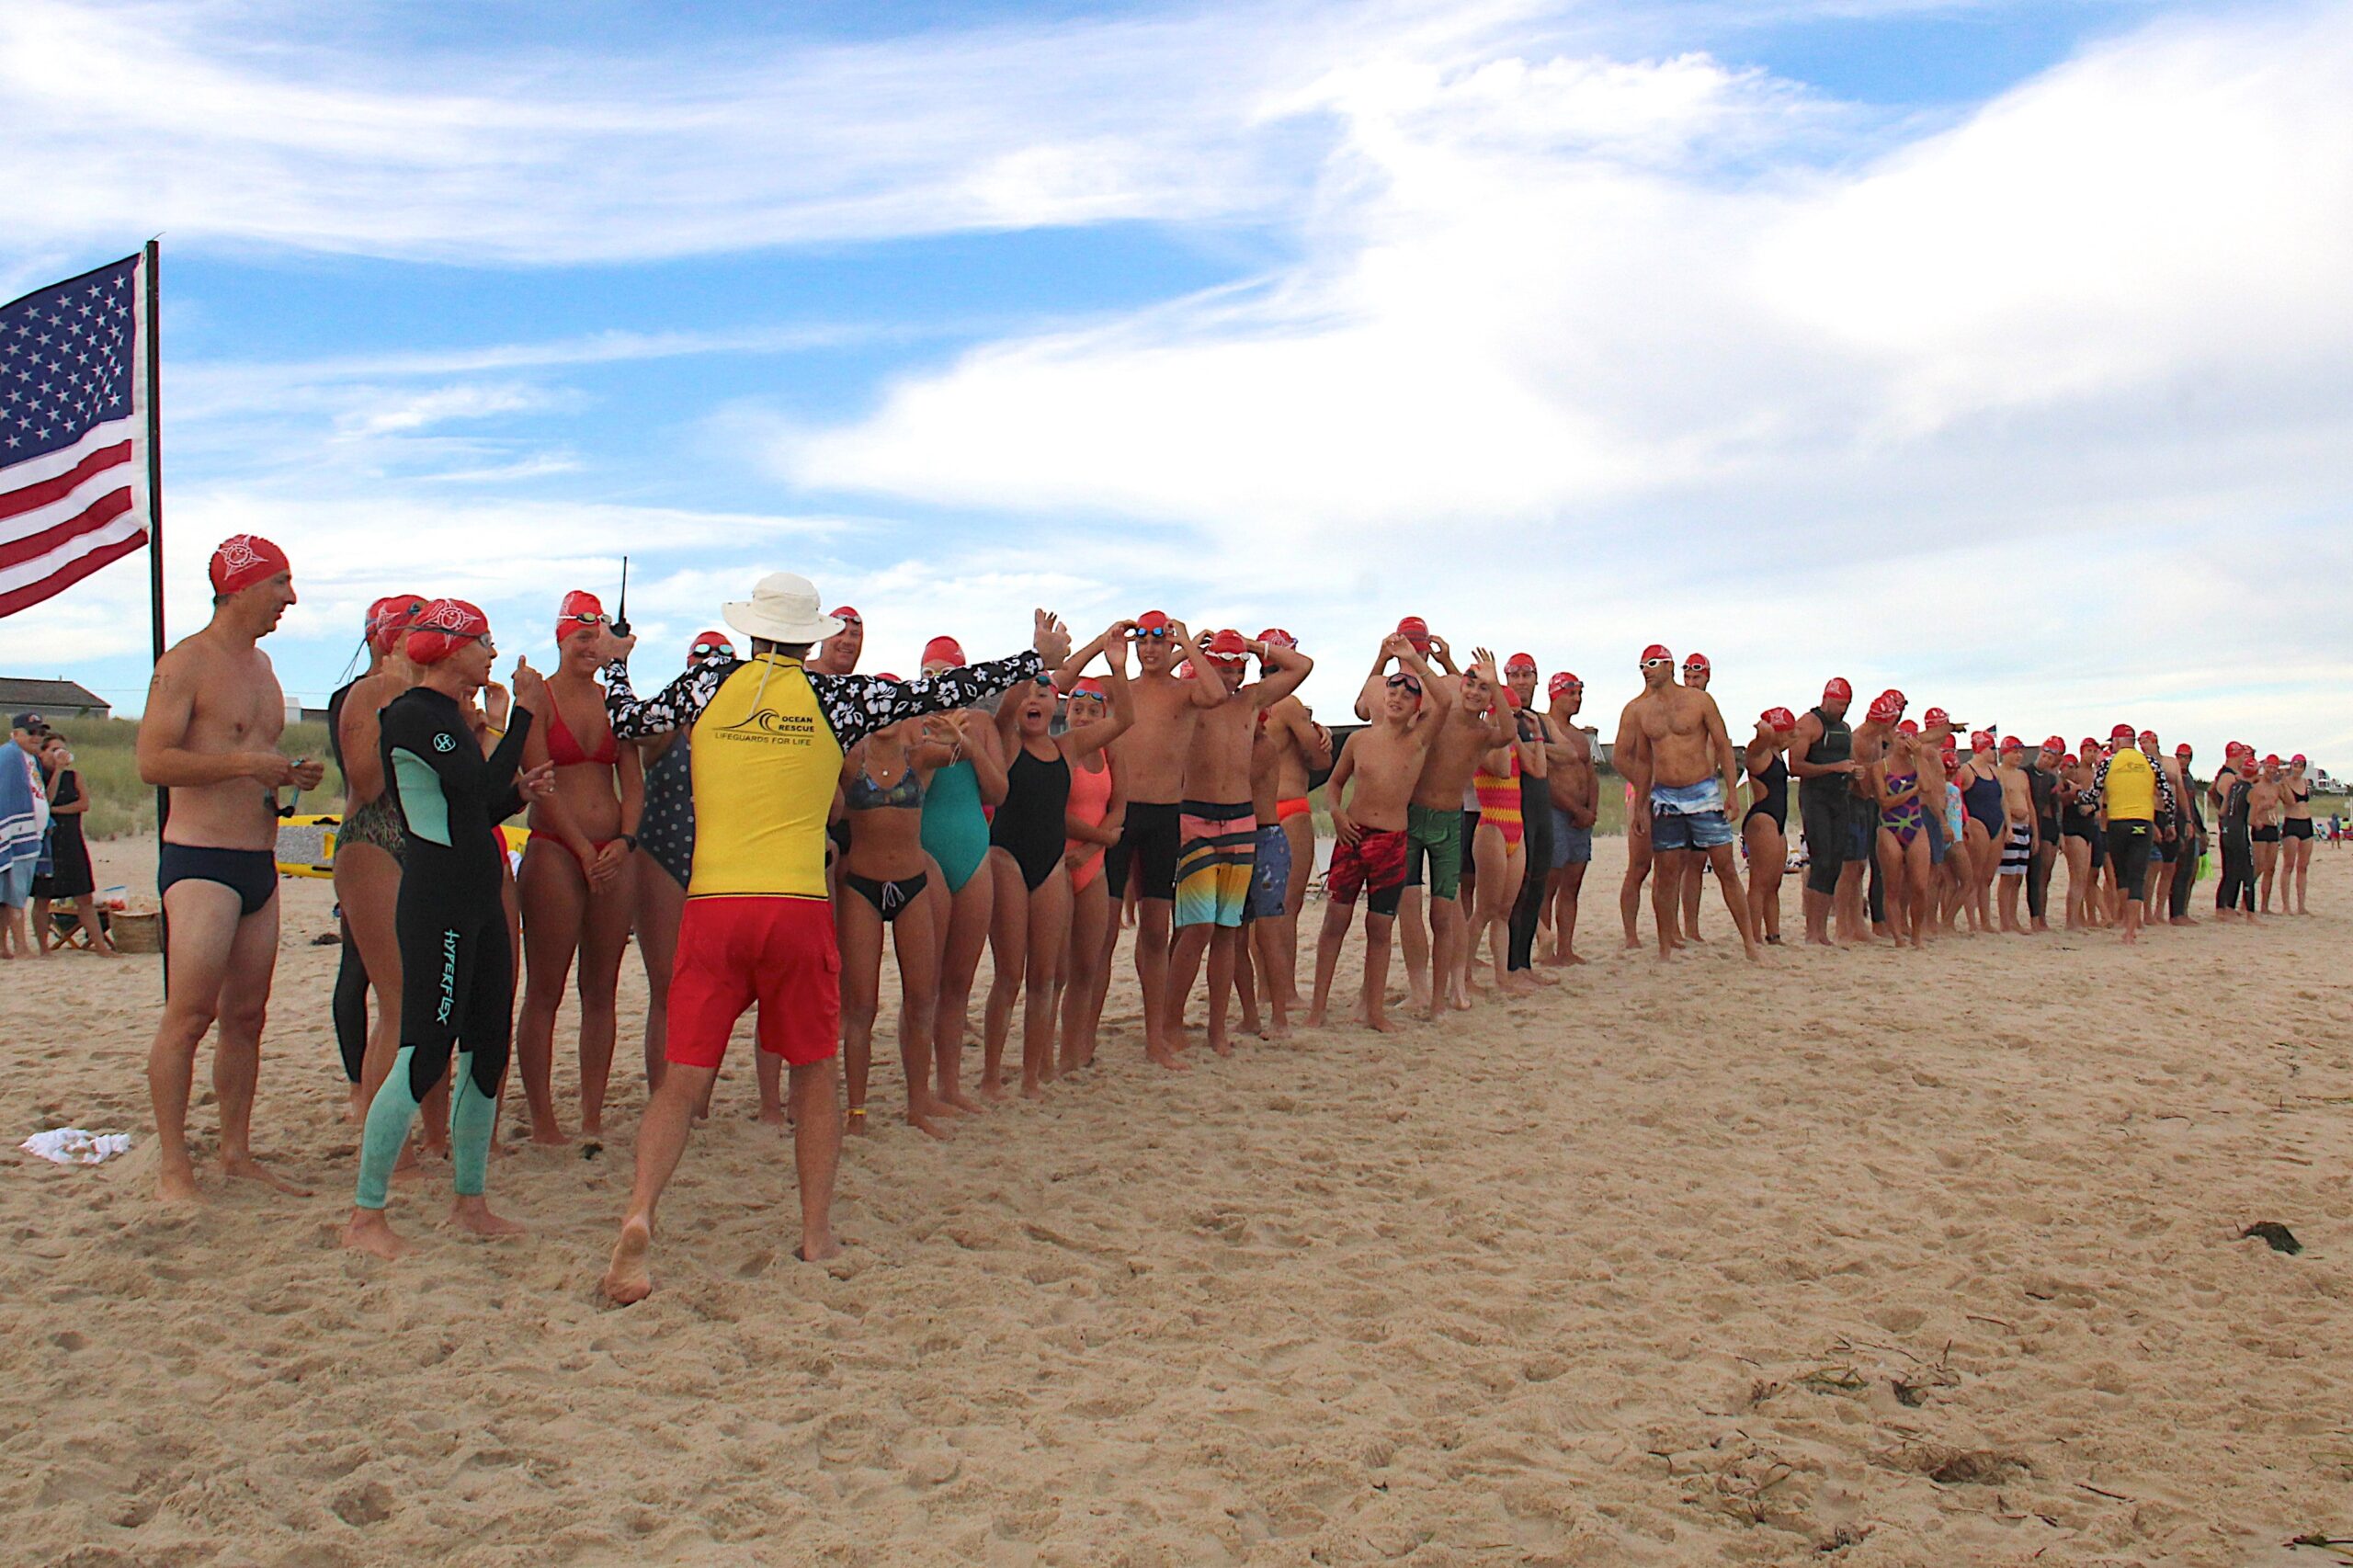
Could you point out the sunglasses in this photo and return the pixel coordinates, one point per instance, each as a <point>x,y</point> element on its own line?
<point>1411,683</point>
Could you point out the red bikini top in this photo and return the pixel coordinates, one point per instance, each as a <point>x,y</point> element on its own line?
<point>565,751</point>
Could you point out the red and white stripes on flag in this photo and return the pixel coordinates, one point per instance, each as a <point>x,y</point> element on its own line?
<point>73,400</point>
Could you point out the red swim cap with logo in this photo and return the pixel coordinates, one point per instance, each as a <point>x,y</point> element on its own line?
<point>442,627</point>
<point>241,559</point>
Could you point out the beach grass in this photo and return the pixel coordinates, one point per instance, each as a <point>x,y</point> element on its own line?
<point>105,756</point>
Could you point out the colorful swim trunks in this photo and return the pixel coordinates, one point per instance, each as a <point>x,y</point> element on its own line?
<point>1217,845</point>
<point>1689,816</point>
<point>1376,861</point>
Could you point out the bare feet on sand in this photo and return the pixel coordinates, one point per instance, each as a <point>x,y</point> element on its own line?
<point>626,1280</point>
<point>472,1215</point>
<point>369,1232</point>
<point>247,1168</point>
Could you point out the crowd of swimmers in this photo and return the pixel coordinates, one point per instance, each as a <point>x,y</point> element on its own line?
<point>765,822</point>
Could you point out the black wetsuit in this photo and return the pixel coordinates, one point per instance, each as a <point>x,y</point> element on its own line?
<point>1536,857</point>
<point>1825,806</point>
<point>2237,889</point>
<point>350,1005</point>
<point>456,968</point>
<point>2190,852</point>
<point>2043,786</point>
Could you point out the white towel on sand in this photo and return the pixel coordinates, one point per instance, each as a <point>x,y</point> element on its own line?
<point>73,1146</point>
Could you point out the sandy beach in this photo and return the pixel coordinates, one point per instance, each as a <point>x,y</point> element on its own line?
<point>1864,1258</point>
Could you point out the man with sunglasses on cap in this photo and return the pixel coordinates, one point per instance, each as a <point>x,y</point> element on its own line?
<point>1218,822</point>
<point>1576,799</point>
<point>1170,695</point>
<point>209,736</point>
<point>769,740</point>
<point>1697,672</point>
<point>1821,759</point>
<point>837,654</point>
<point>1680,760</point>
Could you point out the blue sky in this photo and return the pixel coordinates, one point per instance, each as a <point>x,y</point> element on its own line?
<point>1996,351</point>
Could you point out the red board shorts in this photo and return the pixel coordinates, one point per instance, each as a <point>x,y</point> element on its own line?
<point>777,952</point>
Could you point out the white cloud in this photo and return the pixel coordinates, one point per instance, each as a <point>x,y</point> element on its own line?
<point>1572,336</point>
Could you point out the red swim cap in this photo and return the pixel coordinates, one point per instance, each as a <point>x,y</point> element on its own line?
<point>2149,735</point>
<point>1696,662</point>
<point>1780,720</point>
<point>1934,717</point>
<point>241,559</point>
<point>947,651</point>
<point>1838,690</point>
<point>2054,745</point>
<point>2069,761</point>
<point>1228,647</point>
<point>2298,760</point>
<point>1907,729</point>
<point>442,627</point>
<point>1089,685</point>
<point>391,614</point>
<point>1519,662</point>
<point>2011,743</point>
<point>2183,750</point>
<point>2121,733</point>
<point>1153,620</point>
<point>1275,636</point>
<point>1887,708</point>
<point>1951,759</point>
<point>2271,761</point>
<point>1562,681</point>
<point>1979,740</point>
<point>1656,652</point>
<point>582,610</point>
<point>1416,631</point>
<point>850,616</point>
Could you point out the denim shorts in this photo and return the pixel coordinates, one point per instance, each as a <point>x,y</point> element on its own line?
<point>1689,816</point>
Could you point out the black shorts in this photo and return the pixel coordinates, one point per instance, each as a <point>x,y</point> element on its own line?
<point>2297,827</point>
<point>2047,828</point>
<point>1151,838</point>
<point>2128,844</point>
<point>2265,834</point>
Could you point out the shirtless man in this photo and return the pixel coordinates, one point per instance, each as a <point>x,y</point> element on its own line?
<point>1696,674</point>
<point>1371,698</point>
<point>2025,835</point>
<point>1384,762</point>
<point>1821,759</point>
<point>1298,745</point>
<point>1220,824</point>
<point>1151,760</point>
<point>210,735</point>
<point>1948,854</point>
<point>1680,760</point>
<point>1576,799</point>
<point>1437,847</point>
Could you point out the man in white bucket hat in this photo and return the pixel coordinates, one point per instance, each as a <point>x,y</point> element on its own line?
<point>768,738</point>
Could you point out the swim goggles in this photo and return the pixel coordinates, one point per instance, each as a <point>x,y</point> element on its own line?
<point>588,618</point>
<point>704,650</point>
<point>1411,683</point>
<point>1648,663</point>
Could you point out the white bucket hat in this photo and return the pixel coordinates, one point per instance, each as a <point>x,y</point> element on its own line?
<point>783,608</point>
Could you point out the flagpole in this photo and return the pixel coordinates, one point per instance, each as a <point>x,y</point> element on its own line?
<point>148,258</point>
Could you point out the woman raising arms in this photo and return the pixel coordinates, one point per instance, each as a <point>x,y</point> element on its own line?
<point>1030,924</point>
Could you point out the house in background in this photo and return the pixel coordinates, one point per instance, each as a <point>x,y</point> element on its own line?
<point>52,699</point>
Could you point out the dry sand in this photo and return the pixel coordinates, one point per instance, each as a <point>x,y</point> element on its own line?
<point>1853,1259</point>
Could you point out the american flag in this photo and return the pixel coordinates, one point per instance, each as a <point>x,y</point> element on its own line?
<point>73,432</point>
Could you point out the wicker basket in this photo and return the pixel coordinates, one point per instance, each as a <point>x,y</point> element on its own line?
<point>136,933</point>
